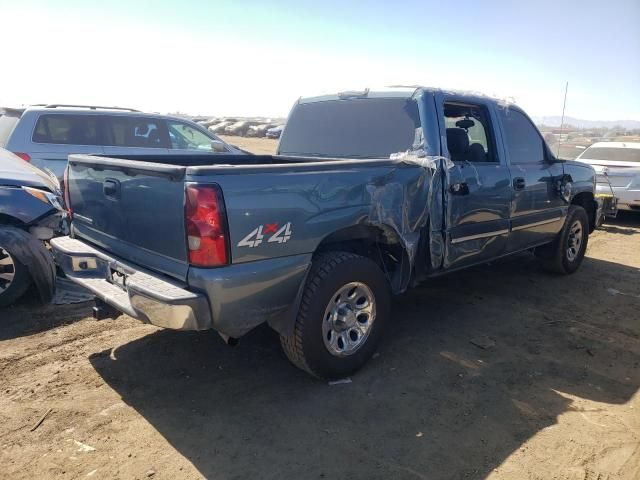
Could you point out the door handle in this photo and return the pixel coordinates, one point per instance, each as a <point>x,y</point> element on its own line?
<point>110,188</point>
<point>519,183</point>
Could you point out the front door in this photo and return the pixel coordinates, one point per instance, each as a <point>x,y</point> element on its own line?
<point>479,195</point>
<point>538,211</point>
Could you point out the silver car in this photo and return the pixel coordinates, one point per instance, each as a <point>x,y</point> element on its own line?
<point>617,164</point>
<point>47,135</point>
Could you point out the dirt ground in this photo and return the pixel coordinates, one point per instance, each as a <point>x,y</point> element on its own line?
<point>552,395</point>
<point>255,145</point>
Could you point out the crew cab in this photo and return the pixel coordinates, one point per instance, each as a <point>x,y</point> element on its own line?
<point>369,193</point>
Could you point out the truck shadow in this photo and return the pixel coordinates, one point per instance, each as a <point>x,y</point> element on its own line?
<point>28,316</point>
<point>431,404</point>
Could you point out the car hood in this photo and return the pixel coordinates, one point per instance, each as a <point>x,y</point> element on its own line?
<point>16,172</point>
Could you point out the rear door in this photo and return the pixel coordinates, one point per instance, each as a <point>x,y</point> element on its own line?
<point>135,135</point>
<point>57,135</point>
<point>480,193</point>
<point>537,210</point>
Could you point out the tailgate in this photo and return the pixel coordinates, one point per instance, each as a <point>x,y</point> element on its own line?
<point>132,209</point>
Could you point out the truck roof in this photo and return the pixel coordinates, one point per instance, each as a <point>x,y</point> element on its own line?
<point>399,91</point>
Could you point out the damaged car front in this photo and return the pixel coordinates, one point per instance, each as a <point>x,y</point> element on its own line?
<point>31,214</point>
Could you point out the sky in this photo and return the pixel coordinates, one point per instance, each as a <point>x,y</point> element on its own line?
<point>249,58</point>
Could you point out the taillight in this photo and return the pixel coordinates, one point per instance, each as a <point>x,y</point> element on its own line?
<point>24,156</point>
<point>67,198</point>
<point>205,225</point>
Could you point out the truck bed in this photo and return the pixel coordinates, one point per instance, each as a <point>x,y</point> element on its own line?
<point>134,207</point>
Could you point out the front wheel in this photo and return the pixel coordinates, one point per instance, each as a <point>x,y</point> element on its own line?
<point>344,307</point>
<point>14,277</point>
<point>565,254</point>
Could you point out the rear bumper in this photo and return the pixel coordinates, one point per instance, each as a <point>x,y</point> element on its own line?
<point>140,295</point>
<point>231,300</point>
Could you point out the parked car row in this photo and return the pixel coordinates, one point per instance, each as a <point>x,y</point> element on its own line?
<point>243,128</point>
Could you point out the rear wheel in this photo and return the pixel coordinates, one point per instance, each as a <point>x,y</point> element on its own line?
<point>566,253</point>
<point>14,278</point>
<point>344,307</point>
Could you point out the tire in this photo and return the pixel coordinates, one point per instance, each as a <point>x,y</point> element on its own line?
<point>14,278</point>
<point>565,254</point>
<point>335,332</point>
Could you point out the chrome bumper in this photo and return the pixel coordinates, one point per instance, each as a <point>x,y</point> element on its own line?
<point>131,290</point>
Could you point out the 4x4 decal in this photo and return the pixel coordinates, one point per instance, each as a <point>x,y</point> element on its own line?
<point>257,236</point>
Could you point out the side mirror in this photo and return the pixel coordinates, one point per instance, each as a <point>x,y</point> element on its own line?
<point>218,146</point>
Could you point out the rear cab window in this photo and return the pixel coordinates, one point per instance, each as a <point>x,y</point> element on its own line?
<point>63,129</point>
<point>352,128</point>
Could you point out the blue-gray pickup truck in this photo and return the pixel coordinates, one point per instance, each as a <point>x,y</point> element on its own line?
<point>369,193</point>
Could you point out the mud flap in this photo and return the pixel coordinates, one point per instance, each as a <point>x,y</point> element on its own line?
<point>32,253</point>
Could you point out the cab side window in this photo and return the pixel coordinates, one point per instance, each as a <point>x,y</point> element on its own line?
<point>469,136</point>
<point>523,141</point>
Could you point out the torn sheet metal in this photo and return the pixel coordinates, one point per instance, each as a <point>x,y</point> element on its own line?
<point>32,253</point>
<point>408,205</point>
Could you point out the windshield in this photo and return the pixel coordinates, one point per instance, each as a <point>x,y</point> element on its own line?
<point>354,128</point>
<point>7,124</point>
<point>614,154</point>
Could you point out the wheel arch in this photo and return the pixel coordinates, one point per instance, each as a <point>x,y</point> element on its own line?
<point>32,253</point>
<point>587,201</point>
<point>380,243</point>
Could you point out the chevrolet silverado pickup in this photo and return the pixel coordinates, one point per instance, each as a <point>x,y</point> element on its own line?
<point>369,193</point>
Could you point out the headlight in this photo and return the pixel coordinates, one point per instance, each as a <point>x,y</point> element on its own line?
<point>44,196</point>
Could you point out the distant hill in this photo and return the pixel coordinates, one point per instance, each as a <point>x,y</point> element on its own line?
<point>555,120</point>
